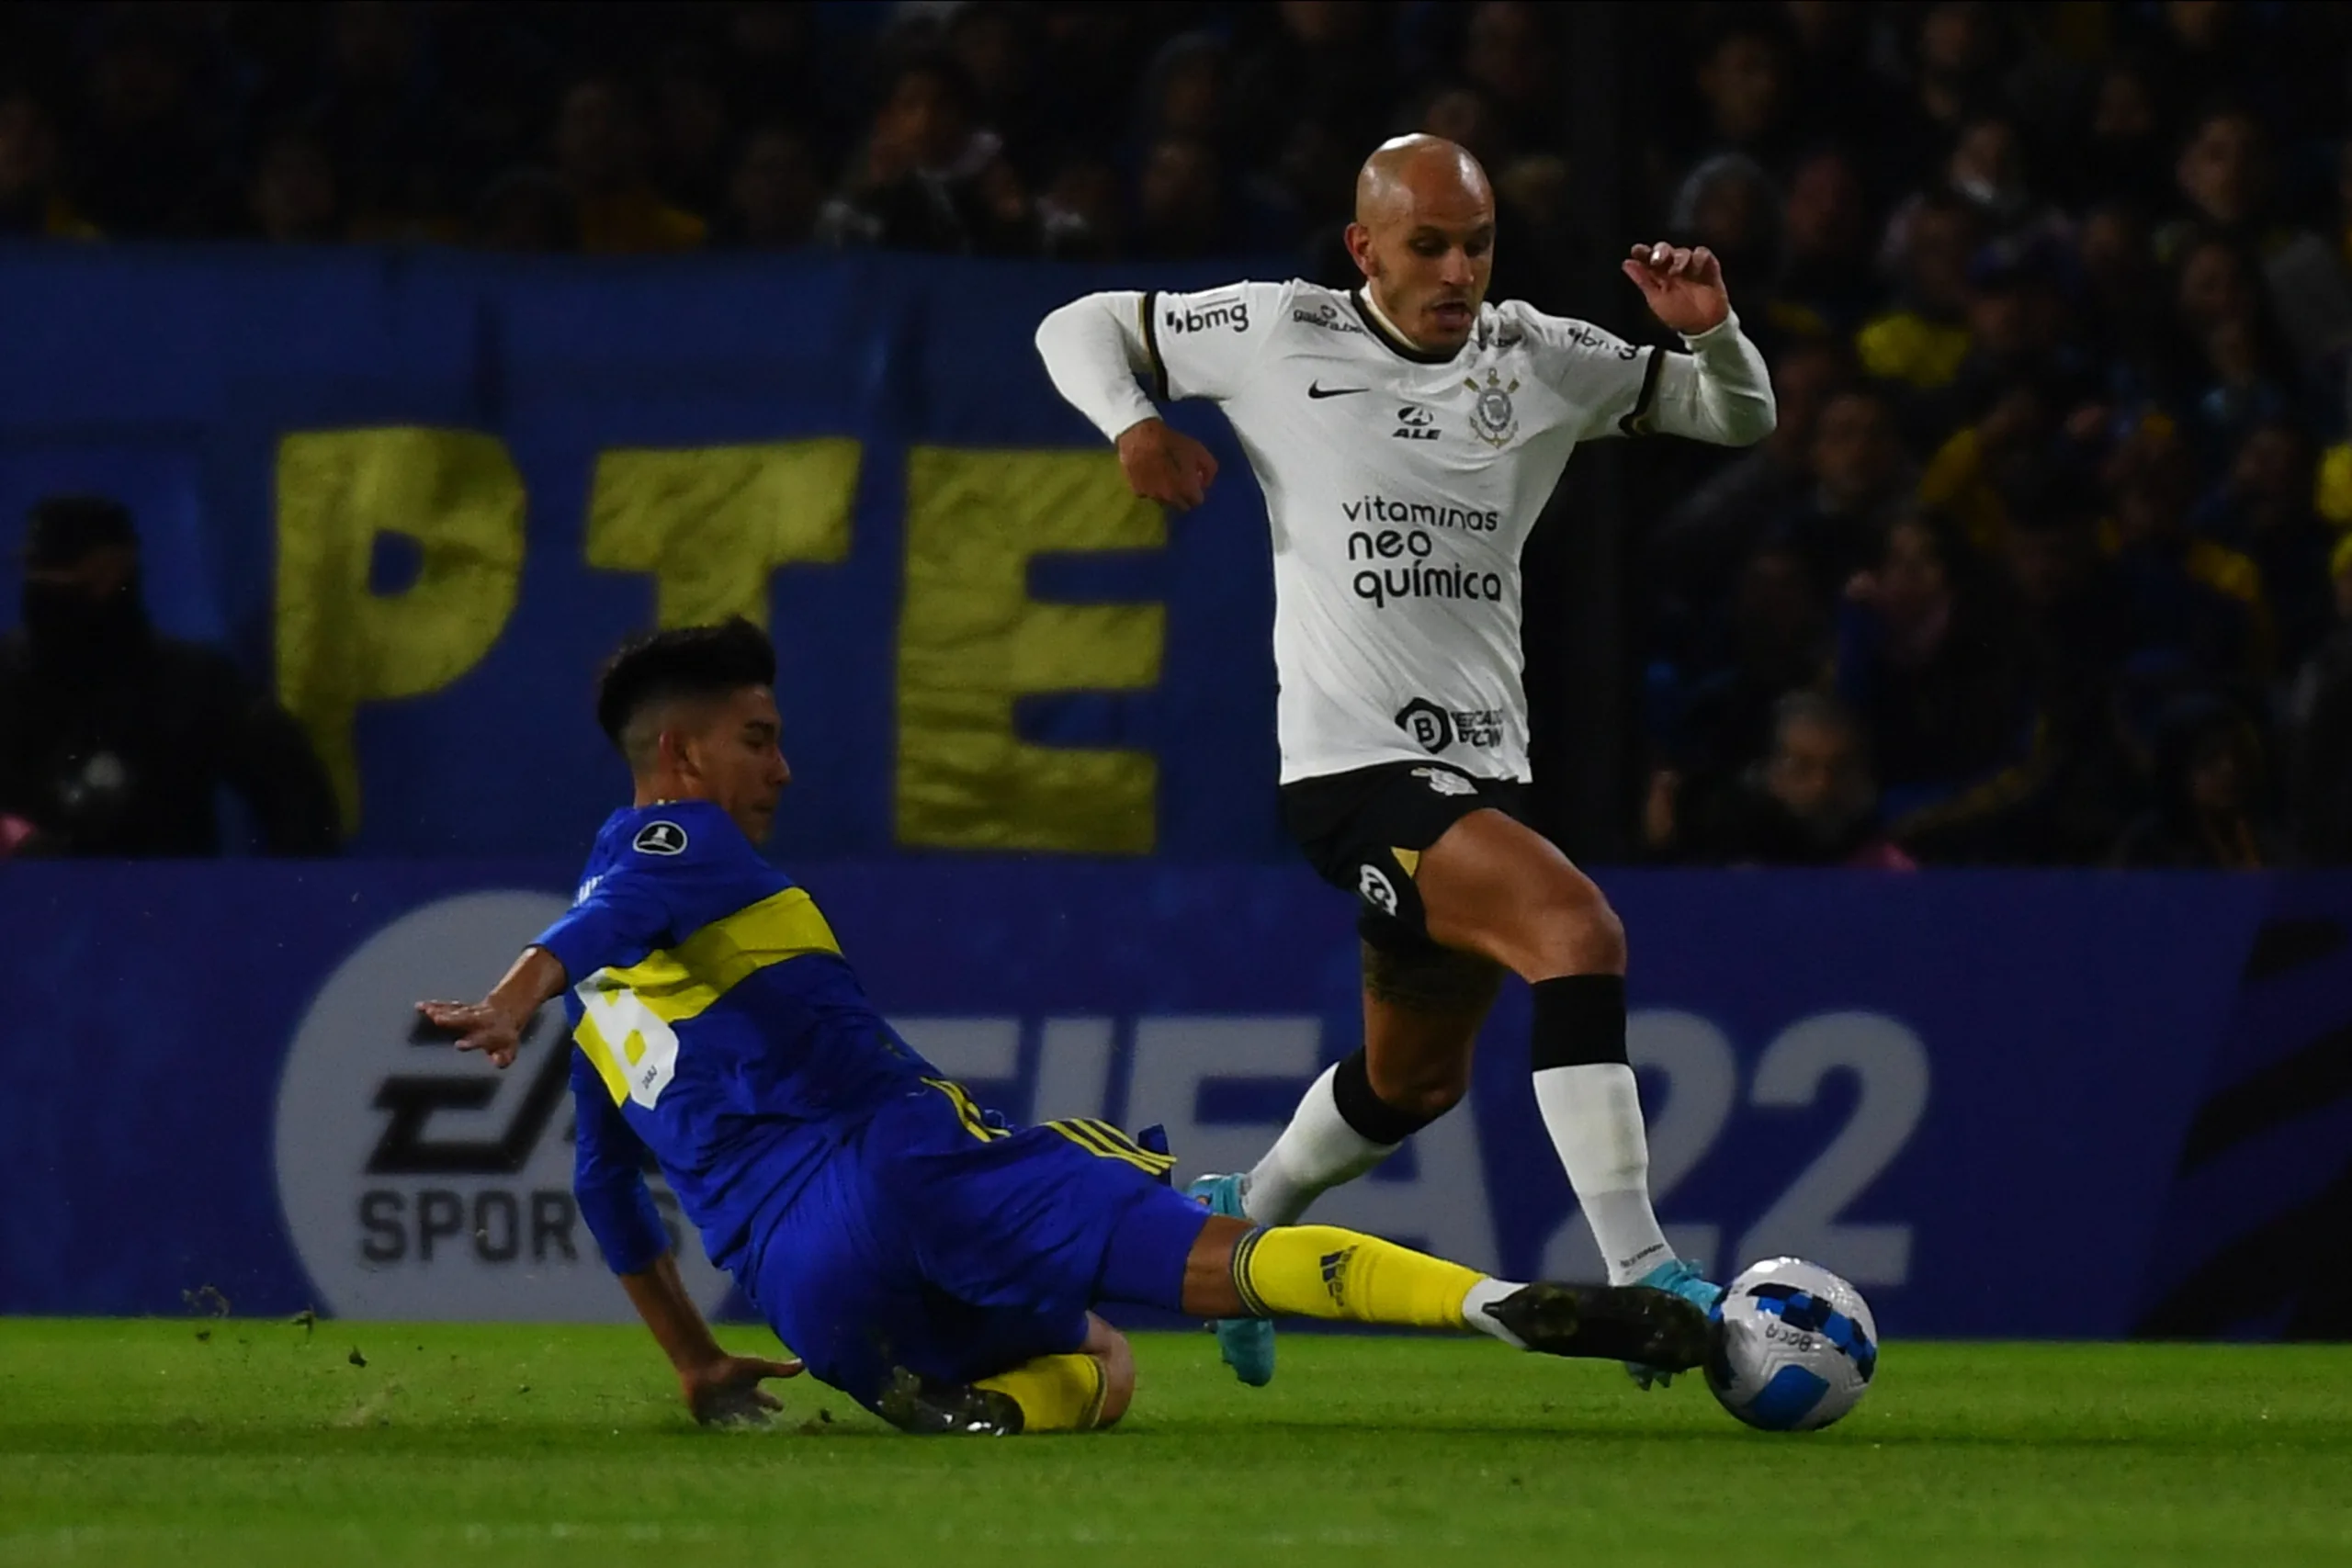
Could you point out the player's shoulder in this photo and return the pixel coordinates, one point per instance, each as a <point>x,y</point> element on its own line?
<point>1250,308</point>
<point>1515,323</point>
<point>1321,309</point>
<point>672,836</point>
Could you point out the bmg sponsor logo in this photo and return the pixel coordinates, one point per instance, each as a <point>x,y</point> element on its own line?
<point>419,1183</point>
<point>1203,316</point>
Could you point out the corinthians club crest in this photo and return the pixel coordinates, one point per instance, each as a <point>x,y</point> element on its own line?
<point>1492,418</point>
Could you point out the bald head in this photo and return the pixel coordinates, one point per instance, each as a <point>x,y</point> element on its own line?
<point>1405,173</point>
<point>1424,239</point>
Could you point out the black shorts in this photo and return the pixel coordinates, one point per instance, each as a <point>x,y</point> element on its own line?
<point>1364,831</point>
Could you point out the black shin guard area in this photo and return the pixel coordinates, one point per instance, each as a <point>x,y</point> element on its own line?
<point>1367,1111</point>
<point>1579,1021</point>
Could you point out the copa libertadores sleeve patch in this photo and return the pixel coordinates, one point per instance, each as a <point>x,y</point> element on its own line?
<point>661,837</point>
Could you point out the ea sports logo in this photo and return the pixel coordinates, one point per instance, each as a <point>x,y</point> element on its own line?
<point>1377,889</point>
<point>422,1183</point>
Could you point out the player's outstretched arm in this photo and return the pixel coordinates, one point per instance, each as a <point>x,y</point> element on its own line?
<point>717,1387</point>
<point>1719,392</point>
<point>1094,348</point>
<point>494,1025</point>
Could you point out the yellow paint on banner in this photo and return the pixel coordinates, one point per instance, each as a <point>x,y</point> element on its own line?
<point>713,524</point>
<point>457,495</point>
<point>972,642</point>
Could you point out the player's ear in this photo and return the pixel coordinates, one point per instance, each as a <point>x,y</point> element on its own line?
<point>673,751</point>
<point>1359,243</point>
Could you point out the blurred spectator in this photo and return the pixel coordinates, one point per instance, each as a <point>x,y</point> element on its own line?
<point>2319,716</point>
<point>114,741</point>
<point>1509,55</point>
<point>526,208</point>
<point>600,157</point>
<point>1922,659</point>
<point>1079,215</point>
<point>144,156</point>
<point>1862,478</point>
<point>2261,510</point>
<point>1183,93</point>
<point>774,192</point>
<point>293,198</point>
<point>1988,171</point>
<point>2196,605</point>
<point>690,132</point>
<point>993,46</point>
<point>1180,202</point>
<point>1957,48</point>
<point>1922,340</point>
<point>929,177</point>
<point>2207,781</point>
<point>2127,315</point>
<point>1729,205</point>
<point>1809,800</point>
<point>1711,527</point>
<point>376,133</point>
<point>1323,63</point>
<point>1826,286</point>
<point>32,199</point>
<point>2075,613</point>
<point>1744,82</point>
<point>2119,155</point>
<point>1772,638</point>
<point>2225,178</point>
<point>766,49</point>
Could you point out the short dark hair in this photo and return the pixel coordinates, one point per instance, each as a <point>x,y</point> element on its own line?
<point>682,662</point>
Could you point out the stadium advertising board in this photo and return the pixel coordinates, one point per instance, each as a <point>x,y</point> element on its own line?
<point>2004,1105</point>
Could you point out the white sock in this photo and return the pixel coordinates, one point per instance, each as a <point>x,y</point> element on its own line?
<point>1315,1152</point>
<point>1594,1114</point>
<point>1484,1294</point>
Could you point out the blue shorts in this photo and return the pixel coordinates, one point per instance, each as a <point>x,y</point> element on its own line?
<point>958,1249</point>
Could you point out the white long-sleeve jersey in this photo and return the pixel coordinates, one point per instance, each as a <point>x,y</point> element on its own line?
<point>1401,485</point>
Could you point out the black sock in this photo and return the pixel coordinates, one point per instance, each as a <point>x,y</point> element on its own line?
<point>1579,1021</point>
<point>1365,1111</point>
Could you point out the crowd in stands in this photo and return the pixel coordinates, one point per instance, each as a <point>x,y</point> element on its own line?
<point>2050,560</point>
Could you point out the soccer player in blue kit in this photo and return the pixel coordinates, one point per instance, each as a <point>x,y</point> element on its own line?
<point>924,1256</point>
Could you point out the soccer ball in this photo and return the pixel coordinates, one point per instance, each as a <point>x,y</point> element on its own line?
<point>1796,1349</point>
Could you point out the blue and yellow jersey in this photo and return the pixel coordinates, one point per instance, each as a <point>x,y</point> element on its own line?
<point>717,1025</point>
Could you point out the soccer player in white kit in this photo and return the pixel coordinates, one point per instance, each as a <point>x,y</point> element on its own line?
<point>1407,435</point>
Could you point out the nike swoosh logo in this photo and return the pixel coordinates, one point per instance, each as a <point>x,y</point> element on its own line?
<point>1315,390</point>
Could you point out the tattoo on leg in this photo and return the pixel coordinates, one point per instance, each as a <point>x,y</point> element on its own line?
<point>1436,979</point>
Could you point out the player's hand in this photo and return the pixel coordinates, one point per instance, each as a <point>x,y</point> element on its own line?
<point>1165,465</point>
<point>1685,287</point>
<point>477,1026</point>
<point>728,1388</point>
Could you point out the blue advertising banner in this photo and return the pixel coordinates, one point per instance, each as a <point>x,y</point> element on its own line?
<point>2004,1104</point>
<point>423,494</point>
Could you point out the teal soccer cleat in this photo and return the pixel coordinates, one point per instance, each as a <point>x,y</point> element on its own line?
<point>1680,1277</point>
<point>1246,1343</point>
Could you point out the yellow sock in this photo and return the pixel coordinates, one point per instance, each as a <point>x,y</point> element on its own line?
<point>1056,1393</point>
<point>1324,1272</point>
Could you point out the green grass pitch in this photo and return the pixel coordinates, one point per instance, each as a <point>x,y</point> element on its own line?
<point>237,1443</point>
